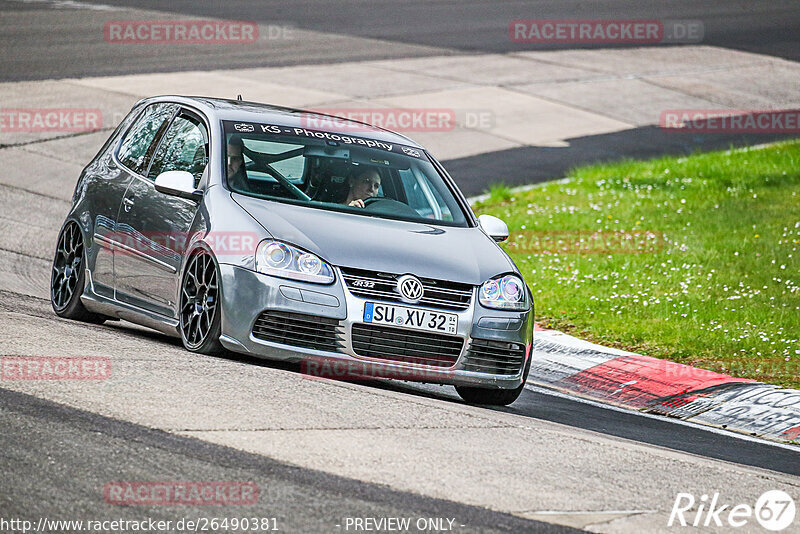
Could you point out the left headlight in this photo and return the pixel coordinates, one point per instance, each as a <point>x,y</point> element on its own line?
<point>504,293</point>
<point>279,259</point>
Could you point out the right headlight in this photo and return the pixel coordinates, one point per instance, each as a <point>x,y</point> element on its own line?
<point>504,293</point>
<point>286,261</point>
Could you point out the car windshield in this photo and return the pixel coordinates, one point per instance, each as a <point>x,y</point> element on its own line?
<point>337,172</point>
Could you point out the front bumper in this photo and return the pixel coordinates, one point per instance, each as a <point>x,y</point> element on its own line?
<point>246,294</point>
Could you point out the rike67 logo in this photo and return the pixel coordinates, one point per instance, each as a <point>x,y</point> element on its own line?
<point>774,510</point>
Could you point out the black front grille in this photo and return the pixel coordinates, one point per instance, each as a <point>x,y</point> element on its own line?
<point>383,286</point>
<point>406,346</point>
<point>298,330</point>
<point>494,357</point>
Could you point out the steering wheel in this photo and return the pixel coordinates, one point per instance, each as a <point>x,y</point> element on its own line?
<point>372,200</point>
<point>389,206</point>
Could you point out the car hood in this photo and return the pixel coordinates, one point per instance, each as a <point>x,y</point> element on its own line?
<point>457,254</point>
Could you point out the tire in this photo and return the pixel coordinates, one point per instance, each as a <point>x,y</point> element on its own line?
<point>489,397</point>
<point>68,276</point>
<point>494,397</point>
<point>200,313</point>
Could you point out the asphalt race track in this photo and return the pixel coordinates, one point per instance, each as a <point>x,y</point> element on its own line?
<point>387,29</point>
<point>91,445</point>
<point>320,451</point>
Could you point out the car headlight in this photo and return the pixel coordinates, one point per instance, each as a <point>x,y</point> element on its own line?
<point>504,293</point>
<point>286,261</point>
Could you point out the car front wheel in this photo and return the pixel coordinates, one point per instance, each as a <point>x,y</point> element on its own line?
<point>200,314</point>
<point>489,397</point>
<point>494,397</point>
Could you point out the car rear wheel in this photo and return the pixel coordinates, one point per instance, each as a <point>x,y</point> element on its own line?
<point>68,276</point>
<point>200,315</point>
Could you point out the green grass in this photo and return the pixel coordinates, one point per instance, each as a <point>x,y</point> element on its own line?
<point>717,287</point>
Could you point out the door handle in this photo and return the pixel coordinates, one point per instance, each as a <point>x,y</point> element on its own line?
<point>127,204</point>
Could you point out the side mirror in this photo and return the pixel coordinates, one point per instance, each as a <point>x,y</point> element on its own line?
<point>493,227</point>
<point>179,184</point>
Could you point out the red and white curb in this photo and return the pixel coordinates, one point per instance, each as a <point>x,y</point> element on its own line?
<point>651,385</point>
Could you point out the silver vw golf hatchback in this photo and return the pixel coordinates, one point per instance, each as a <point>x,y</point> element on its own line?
<point>290,235</point>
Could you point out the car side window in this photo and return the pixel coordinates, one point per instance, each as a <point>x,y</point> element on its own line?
<point>137,147</point>
<point>423,196</point>
<point>184,147</point>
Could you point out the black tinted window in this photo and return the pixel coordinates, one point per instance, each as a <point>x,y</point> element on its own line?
<point>184,147</point>
<point>338,172</point>
<point>137,146</point>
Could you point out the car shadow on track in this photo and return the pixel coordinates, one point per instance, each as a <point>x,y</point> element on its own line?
<point>445,393</point>
<point>432,391</point>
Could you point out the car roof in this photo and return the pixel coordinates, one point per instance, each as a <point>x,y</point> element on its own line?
<point>242,110</point>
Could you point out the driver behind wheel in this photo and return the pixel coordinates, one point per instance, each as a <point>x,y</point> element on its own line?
<point>363,185</point>
<point>237,174</point>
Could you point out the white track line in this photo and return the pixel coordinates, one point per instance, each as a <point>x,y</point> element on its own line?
<point>70,4</point>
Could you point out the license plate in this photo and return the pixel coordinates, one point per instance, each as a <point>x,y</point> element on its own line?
<point>413,318</point>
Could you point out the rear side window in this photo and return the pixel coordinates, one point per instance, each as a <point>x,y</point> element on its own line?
<point>184,148</point>
<point>139,143</point>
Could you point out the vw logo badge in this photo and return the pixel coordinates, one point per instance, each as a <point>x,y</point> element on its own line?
<point>410,288</point>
